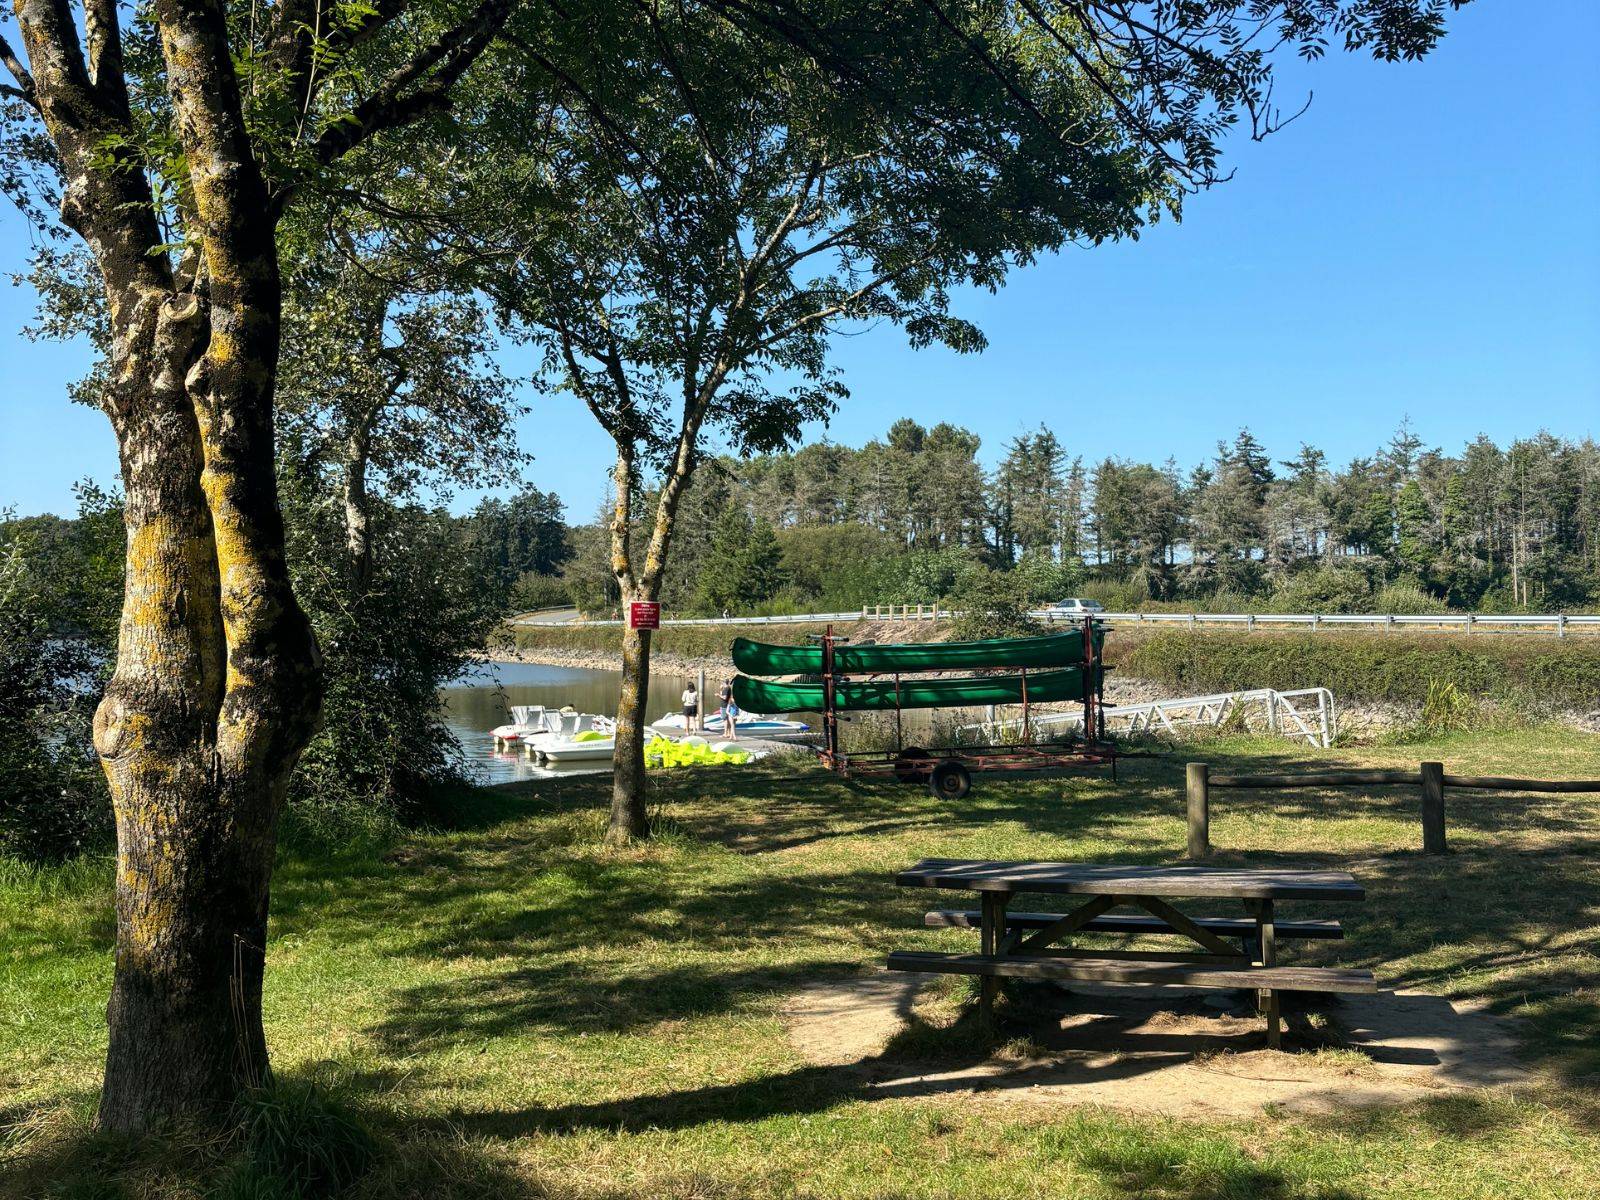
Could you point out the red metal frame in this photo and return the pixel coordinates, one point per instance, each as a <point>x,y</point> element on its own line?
<point>1094,748</point>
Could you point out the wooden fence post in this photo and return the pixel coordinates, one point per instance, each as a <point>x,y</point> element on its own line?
<point>1433,841</point>
<point>1198,780</point>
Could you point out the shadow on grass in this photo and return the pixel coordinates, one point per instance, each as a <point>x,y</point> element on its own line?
<point>613,942</point>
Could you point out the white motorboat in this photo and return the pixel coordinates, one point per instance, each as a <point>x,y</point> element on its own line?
<point>574,737</point>
<point>675,725</point>
<point>579,751</point>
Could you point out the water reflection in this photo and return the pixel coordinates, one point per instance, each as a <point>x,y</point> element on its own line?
<point>481,700</point>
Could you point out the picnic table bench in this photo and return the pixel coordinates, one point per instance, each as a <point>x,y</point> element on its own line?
<point>1026,944</point>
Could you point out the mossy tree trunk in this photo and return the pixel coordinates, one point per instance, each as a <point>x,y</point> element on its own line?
<point>630,784</point>
<point>217,684</point>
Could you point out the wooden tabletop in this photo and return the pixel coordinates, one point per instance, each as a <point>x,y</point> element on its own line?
<point>1104,879</point>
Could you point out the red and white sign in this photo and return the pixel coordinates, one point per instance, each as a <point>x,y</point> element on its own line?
<point>644,614</point>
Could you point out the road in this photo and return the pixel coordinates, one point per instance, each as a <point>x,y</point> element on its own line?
<point>547,616</point>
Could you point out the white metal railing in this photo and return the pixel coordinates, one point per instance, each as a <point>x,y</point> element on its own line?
<point>1557,623</point>
<point>1285,713</point>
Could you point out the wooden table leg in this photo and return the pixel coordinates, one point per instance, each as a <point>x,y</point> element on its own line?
<point>993,930</point>
<point>1266,938</point>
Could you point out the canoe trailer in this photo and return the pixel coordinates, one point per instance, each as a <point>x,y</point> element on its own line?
<point>947,770</point>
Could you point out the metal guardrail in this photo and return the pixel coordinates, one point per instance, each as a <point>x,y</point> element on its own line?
<point>1557,623</point>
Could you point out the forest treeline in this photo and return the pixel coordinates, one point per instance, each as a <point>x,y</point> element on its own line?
<point>915,517</point>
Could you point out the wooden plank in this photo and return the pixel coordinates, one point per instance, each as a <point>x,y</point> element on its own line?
<point>1500,783</point>
<point>951,918</point>
<point>1062,926</point>
<point>1235,959</point>
<point>981,875</point>
<point>1182,924</point>
<point>992,931</point>
<point>1373,776</point>
<point>1267,941</point>
<point>1288,979</point>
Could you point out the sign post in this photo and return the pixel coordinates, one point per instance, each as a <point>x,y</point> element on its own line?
<point>644,614</point>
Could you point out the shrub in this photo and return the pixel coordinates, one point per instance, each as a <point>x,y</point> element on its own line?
<point>533,591</point>
<point>1407,599</point>
<point>388,645</point>
<point>994,604</point>
<point>1506,669</point>
<point>1328,590</point>
<point>297,1144</point>
<point>53,795</point>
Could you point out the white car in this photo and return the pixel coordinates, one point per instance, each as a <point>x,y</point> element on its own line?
<point>1075,607</point>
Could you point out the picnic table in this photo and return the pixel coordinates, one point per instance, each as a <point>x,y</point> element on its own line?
<point>1027,944</point>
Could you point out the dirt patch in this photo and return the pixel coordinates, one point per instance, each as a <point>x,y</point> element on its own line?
<point>1174,1051</point>
<point>838,1021</point>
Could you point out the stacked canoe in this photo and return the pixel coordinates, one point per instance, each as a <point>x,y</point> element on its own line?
<point>1045,669</point>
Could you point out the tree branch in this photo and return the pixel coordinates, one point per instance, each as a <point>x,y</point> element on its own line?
<point>407,96</point>
<point>25,89</point>
<point>104,37</point>
<point>839,306</point>
<point>60,77</point>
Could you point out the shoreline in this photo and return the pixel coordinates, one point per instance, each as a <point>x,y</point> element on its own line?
<point>601,660</point>
<point>1358,721</point>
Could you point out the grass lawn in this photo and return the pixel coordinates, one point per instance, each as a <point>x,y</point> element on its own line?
<point>516,1011</point>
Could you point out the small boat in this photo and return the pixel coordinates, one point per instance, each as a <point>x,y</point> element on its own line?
<point>752,725</point>
<point>526,720</point>
<point>574,737</point>
<point>588,745</point>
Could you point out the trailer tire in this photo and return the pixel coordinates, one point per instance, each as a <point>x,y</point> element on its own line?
<point>950,781</point>
<point>911,765</point>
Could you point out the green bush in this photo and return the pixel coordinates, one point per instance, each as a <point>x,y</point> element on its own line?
<point>53,795</point>
<point>1522,670</point>
<point>994,604</point>
<point>1328,590</point>
<point>1407,599</point>
<point>533,591</point>
<point>297,1145</point>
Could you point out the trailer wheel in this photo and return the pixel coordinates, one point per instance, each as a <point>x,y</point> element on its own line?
<point>912,765</point>
<point>950,781</point>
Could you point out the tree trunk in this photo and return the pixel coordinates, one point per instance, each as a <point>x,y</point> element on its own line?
<point>629,784</point>
<point>197,733</point>
<point>357,534</point>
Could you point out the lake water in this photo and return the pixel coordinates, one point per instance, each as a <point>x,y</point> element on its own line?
<point>478,702</point>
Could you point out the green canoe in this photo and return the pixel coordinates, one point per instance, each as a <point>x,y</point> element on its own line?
<point>760,696</point>
<point>1052,650</point>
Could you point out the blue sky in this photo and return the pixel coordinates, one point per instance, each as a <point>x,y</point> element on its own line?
<point>1422,242</point>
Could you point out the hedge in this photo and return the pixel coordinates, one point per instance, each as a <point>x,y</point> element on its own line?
<point>1541,672</point>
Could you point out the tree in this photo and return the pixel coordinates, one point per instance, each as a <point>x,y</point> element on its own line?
<point>388,386</point>
<point>744,568</point>
<point>174,155</point>
<point>723,231</point>
<point>522,534</point>
<point>1030,492</point>
<point>388,400</point>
